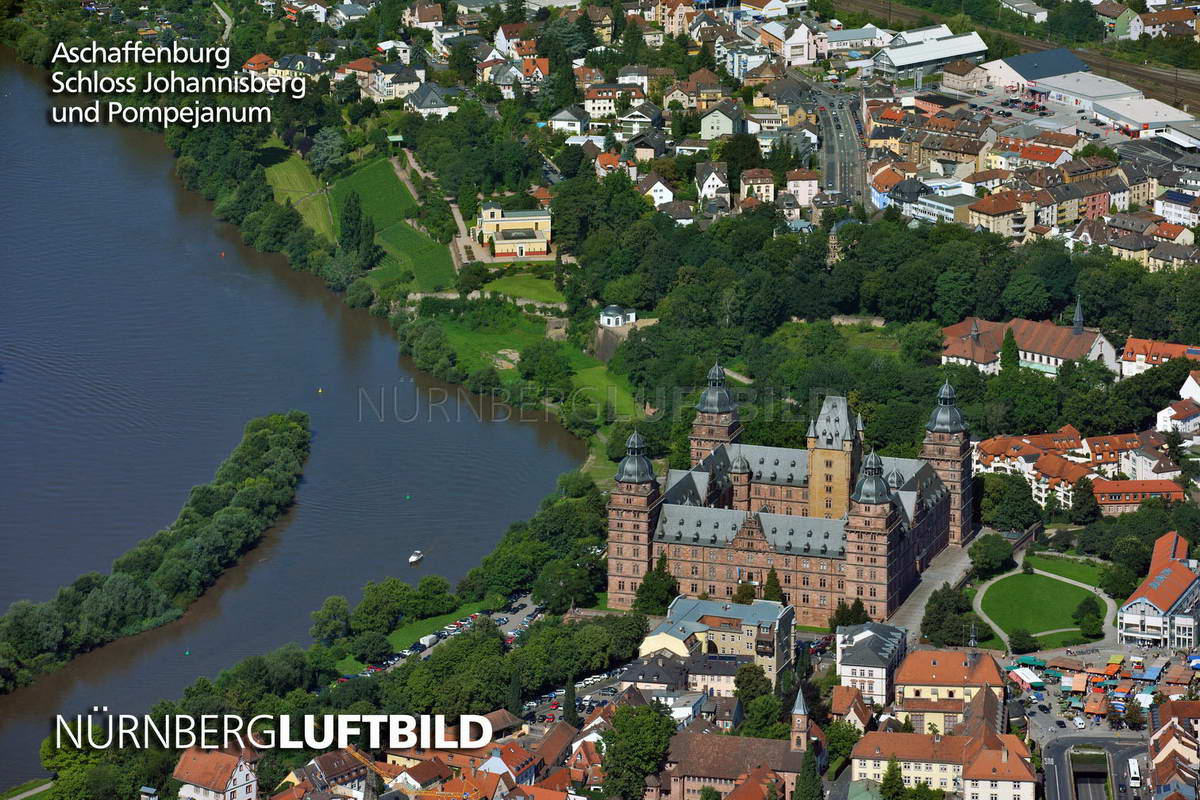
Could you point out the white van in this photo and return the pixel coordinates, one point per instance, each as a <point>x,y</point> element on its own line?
<point>1079,723</point>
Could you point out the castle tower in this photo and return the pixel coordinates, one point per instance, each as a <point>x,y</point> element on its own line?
<point>739,477</point>
<point>947,448</point>
<point>876,564</point>
<point>716,421</point>
<point>633,507</point>
<point>834,452</point>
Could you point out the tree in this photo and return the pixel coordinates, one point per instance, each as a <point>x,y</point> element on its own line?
<point>1007,501</point>
<point>1010,357</point>
<point>563,583</point>
<point>771,589</point>
<point>371,647</point>
<point>1084,508</point>
<point>892,785</point>
<point>657,589</point>
<point>762,719</point>
<point>1022,641</point>
<point>570,712</point>
<point>1026,297</point>
<point>1118,580</point>
<point>840,738</point>
<point>514,693</point>
<point>328,151</point>
<point>808,782</point>
<point>546,365</point>
<point>331,621</point>
<point>854,614</point>
<point>1088,607</point>
<point>907,725</point>
<point>750,682</point>
<point>921,342</point>
<point>709,793</point>
<point>1091,627</point>
<point>990,554</point>
<point>1135,718</point>
<point>634,747</point>
<point>745,594</point>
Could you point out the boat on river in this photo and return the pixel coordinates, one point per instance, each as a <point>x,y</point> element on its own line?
<point>416,557</point>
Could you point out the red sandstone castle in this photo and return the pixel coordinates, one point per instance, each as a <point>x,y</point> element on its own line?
<point>834,524</point>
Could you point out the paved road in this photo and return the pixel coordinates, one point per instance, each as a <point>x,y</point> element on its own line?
<point>841,147</point>
<point>949,566</point>
<point>32,792</point>
<point>1058,776</point>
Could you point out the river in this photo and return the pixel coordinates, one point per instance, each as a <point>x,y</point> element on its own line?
<point>137,336</point>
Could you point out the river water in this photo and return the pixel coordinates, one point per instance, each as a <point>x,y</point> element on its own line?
<point>137,336</point>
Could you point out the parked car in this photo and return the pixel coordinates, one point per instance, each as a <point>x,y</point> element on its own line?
<point>1059,723</point>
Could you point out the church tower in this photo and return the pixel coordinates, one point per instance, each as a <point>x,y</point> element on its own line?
<point>875,557</point>
<point>739,478</point>
<point>716,421</point>
<point>947,448</point>
<point>633,507</point>
<point>800,724</point>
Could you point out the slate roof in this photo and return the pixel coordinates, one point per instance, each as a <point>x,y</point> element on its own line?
<point>875,649</point>
<point>1045,64</point>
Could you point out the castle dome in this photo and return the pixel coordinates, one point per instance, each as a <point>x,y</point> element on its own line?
<point>895,480</point>
<point>946,416</point>
<point>871,487</point>
<point>740,465</point>
<point>715,399</point>
<point>635,467</point>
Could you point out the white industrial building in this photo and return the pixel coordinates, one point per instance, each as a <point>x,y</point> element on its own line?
<point>1139,117</point>
<point>1083,90</point>
<point>898,61</point>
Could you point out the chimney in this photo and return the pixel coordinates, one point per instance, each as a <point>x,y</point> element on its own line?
<point>1004,755</point>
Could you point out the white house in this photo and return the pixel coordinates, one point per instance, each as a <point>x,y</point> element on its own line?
<point>654,187</point>
<point>340,15</point>
<point>572,119</point>
<point>1183,415</point>
<point>803,184</point>
<point>615,316</point>
<point>867,657</point>
<point>427,16</point>
<point>712,180</point>
<point>217,774</point>
<point>767,9</point>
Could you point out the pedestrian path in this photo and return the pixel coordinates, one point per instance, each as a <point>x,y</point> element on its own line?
<point>1110,608</point>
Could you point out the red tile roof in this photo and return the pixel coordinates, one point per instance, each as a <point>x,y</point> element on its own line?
<point>948,668</point>
<point>208,769</point>
<point>1169,577</point>
<point>1155,352</point>
<point>1040,337</point>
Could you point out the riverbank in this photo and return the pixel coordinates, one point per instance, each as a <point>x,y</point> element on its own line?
<point>139,357</point>
<point>159,578</point>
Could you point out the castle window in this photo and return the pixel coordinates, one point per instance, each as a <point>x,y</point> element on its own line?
<point>829,463</point>
<point>712,572</point>
<point>804,599</point>
<point>859,590</point>
<point>620,586</point>
<point>804,580</point>
<point>728,591</point>
<point>787,578</point>
<point>695,570</point>
<point>828,503</point>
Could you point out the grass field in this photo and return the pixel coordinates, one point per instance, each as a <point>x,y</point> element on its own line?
<point>386,199</point>
<point>1056,640</point>
<point>1033,602</point>
<point>383,195</point>
<point>540,289</point>
<point>1082,571</point>
<point>405,635</point>
<point>407,249</point>
<point>26,786</point>
<point>291,179</point>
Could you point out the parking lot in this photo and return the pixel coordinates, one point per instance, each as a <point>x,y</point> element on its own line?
<point>512,619</point>
<point>591,692</point>
<point>1049,115</point>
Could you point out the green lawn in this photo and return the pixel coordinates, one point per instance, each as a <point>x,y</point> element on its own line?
<point>1082,571</point>
<point>383,195</point>
<point>407,249</point>
<point>405,635</point>
<point>26,786</point>
<point>873,339</point>
<point>477,347</point>
<point>386,199</point>
<point>291,179</point>
<point>540,289</point>
<point>1056,640</point>
<point>1033,602</point>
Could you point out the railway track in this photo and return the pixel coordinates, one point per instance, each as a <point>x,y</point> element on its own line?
<point>1180,88</point>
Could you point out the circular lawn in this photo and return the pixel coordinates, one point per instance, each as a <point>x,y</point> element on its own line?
<point>1033,602</point>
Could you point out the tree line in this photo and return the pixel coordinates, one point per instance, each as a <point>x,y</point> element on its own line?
<point>156,580</point>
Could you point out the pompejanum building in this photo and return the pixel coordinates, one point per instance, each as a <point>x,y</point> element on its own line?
<point>835,523</point>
